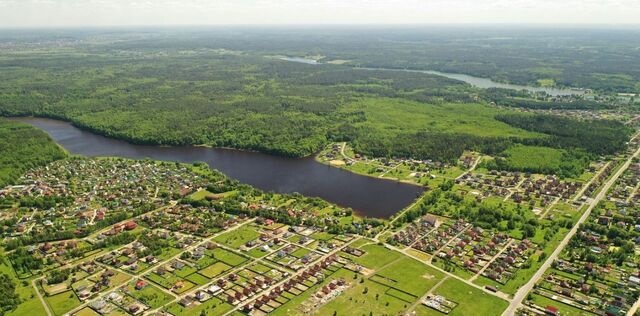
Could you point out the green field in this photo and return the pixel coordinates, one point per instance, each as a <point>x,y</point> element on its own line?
<point>356,302</point>
<point>544,160</point>
<point>63,302</point>
<point>213,306</point>
<point>238,237</point>
<point>396,116</point>
<point>562,308</point>
<point>214,270</point>
<point>376,256</point>
<point>150,295</point>
<point>228,257</point>
<point>471,301</point>
<point>408,275</point>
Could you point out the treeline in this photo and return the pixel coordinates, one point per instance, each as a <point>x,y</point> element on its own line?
<point>439,146</point>
<point>23,147</point>
<point>52,234</point>
<point>571,163</point>
<point>9,299</point>
<point>600,137</point>
<point>443,201</point>
<point>551,105</point>
<point>247,102</point>
<point>525,100</point>
<point>232,205</point>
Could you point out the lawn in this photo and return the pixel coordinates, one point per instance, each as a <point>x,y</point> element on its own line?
<point>409,275</point>
<point>63,302</point>
<point>471,301</point>
<point>197,279</point>
<point>228,257</point>
<point>363,299</point>
<point>213,306</point>
<point>565,310</point>
<point>238,237</point>
<point>257,252</point>
<point>200,194</point>
<point>86,312</point>
<point>300,252</point>
<point>376,256</point>
<point>150,295</point>
<point>215,269</point>
<point>322,236</point>
<point>29,304</point>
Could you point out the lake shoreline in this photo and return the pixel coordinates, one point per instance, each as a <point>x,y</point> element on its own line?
<point>367,196</point>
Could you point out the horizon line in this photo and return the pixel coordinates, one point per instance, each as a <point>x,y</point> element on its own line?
<point>307,25</point>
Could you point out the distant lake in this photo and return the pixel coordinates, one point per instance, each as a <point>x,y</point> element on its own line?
<point>368,196</point>
<point>301,60</point>
<point>479,82</point>
<point>488,83</point>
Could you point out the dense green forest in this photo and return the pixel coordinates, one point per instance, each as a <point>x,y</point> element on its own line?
<point>9,299</point>
<point>230,89</point>
<point>605,59</point>
<point>601,137</point>
<point>23,147</point>
<point>544,160</point>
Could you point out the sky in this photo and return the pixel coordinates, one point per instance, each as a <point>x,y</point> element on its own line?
<point>65,13</point>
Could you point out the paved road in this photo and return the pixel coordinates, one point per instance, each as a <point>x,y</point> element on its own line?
<point>634,308</point>
<point>524,290</point>
<point>488,264</point>
<point>294,275</point>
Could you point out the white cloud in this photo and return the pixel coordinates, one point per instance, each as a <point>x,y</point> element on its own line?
<point>196,12</point>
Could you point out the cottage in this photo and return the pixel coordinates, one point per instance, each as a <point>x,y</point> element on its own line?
<point>140,284</point>
<point>130,225</point>
<point>186,301</point>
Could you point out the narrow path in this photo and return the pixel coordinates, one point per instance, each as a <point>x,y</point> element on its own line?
<point>388,170</point>
<point>431,290</point>
<point>138,275</point>
<point>422,236</point>
<point>524,290</point>
<point>550,207</point>
<point>632,311</point>
<point>267,290</point>
<point>399,215</point>
<point>514,189</point>
<point>42,301</point>
<point>486,266</point>
<point>501,295</point>
<point>435,253</point>
<point>473,167</point>
<point>344,156</point>
<point>586,185</point>
<point>633,193</point>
